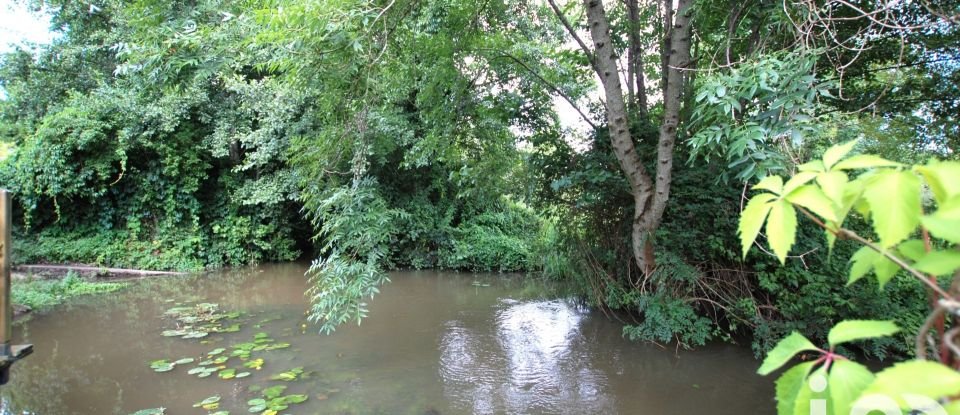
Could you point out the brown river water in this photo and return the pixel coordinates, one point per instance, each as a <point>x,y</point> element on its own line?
<point>434,343</point>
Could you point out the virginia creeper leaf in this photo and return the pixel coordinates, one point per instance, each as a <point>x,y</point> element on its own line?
<point>811,197</point>
<point>784,351</point>
<point>798,180</point>
<point>894,198</point>
<point>851,330</point>
<point>752,218</point>
<point>837,152</point>
<point>771,183</point>
<point>812,165</point>
<point>946,229</point>
<point>847,380</point>
<point>885,269</point>
<point>912,249</point>
<point>832,184</point>
<point>864,161</point>
<point>945,222</point>
<point>789,385</point>
<point>808,394</point>
<point>861,263</point>
<point>918,377</point>
<point>943,178</point>
<point>939,263</point>
<point>781,228</point>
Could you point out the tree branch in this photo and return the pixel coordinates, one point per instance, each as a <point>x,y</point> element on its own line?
<point>550,85</point>
<point>844,233</point>
<point>573,34</point>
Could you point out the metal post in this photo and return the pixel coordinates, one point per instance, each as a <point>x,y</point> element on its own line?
<point>6,308</point>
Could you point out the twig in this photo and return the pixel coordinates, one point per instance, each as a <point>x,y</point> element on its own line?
<point>844,233</point>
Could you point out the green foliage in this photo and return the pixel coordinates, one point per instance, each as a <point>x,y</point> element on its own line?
<point>40,294</point>
<point>890,194</point>
<point>357,226</point>
<point>745,114</point>
<point>667,319</point>
<point>494,240</point>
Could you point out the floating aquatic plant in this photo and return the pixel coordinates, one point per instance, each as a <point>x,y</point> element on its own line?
<point>162,365</point>
<point>151,411</point>
<point>289,375</point>
<point>271,402</point>
<point>210,404</point>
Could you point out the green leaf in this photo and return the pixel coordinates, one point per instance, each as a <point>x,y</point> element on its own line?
<point>918,377</point>
<point>861,263</point>
<point>274,391</point>
<point>864,161</point>
<point>837,152</point>
<point>781,228</point>
<point>943,178</point>
<point>807,394</point>
<point>945,222</point>
<point>832,184</point>
<point>846,381</point>
<point>939,263</point>
<point>752,218</point>
<point>912,249</point>
<point>784,351</point>
<point>813,165</point>
<point>798,180</point>
<point>885,269</point>
<point>811,197</point>
<point>295,398</point>
<point>851,330</point>
<point>946,229</point>
<point>207,401</point>
<point>771,183</point>
<point>789,385</point>
<point>894,198</point>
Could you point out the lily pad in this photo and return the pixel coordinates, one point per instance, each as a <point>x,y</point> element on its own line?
<point>255,364</point>
<point>162,365</point>
<point>288,376</point>
<point>228,373</point>
<point>151,411</point>
<point>274,391</point>
<point>216,351</point>
<point>210,404</point>
<point>184,361</point>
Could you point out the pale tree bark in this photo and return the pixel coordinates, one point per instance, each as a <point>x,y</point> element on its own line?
<point>649,196</point>
<point>635,75</point>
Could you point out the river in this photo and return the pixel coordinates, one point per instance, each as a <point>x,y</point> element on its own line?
<point>434,343</point>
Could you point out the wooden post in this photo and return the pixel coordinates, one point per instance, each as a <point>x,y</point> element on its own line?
<point>6,308</point>
<point>8,353</point>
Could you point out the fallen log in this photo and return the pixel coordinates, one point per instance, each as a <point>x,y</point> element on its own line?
<point>95,270</point>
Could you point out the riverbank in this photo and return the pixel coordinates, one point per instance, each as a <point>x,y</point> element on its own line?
<point>38,291</point>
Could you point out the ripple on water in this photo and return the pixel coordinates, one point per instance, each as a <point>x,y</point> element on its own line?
<point>531,359</point>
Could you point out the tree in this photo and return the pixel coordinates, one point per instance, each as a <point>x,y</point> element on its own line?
<point>650,193</point>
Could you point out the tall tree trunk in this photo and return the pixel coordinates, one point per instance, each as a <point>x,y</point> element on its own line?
<point>635,59</point>
<point>649,198</point>
<point>678,60</point>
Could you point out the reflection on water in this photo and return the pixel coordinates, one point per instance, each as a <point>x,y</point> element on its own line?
<point>529,360</point>
<point>434,344</point>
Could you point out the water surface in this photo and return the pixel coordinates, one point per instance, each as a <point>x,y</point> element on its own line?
<point>434,343</point>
